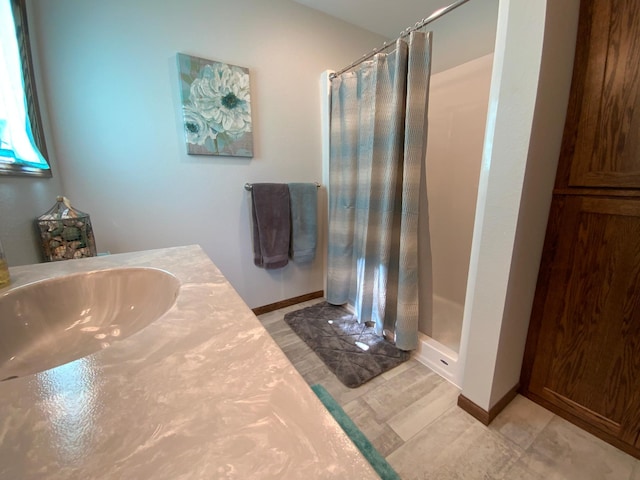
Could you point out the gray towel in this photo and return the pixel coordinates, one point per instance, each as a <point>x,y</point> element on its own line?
<point>271,224</point>
<point>304,224</point>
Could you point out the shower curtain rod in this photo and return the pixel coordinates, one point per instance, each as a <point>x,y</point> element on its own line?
<point>434,16</point>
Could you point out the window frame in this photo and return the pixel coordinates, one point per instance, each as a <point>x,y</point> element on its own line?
<point>19,9</point>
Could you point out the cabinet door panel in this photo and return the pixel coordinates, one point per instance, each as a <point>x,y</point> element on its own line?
<point>606,146</point>
<point>588,360</point>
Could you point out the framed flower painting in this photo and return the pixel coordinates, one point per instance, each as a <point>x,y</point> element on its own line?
<point>216,107</point>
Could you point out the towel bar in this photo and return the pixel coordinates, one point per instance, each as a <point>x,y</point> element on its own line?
<point>249,186</point>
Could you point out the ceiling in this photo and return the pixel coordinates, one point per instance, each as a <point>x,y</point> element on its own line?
<point>461,35</point>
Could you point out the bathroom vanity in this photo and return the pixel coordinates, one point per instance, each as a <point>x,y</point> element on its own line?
<point>202,392</point>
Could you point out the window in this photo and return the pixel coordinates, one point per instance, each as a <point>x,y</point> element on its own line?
<point>22,149</point>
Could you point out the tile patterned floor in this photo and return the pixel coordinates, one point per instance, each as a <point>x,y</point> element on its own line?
<point>410,415</point>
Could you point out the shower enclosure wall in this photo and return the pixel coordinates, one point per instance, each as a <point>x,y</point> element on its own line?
<point>458,104</point>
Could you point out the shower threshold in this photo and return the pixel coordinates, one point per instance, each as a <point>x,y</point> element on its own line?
<point>438,358</point>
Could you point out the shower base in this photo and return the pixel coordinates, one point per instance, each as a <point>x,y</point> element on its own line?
<point>438,358</point>
<point>439,351</point>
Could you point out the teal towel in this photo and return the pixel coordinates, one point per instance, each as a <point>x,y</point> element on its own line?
<point>304,223</point>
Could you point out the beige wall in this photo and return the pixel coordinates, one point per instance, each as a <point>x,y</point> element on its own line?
<point>111,85</point>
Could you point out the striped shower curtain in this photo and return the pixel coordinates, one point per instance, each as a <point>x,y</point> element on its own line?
<point>378,220</point>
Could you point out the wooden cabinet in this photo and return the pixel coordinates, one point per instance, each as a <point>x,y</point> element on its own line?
<point>588,358</point>
<point>583,350</point>
<point>601,135</point>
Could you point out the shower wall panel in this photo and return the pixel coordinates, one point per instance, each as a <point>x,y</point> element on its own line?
<point>458,104</point>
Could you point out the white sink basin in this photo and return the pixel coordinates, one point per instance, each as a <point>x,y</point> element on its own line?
<point>55,321</point>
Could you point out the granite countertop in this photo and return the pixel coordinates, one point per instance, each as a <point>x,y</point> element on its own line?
<point>202,392</point>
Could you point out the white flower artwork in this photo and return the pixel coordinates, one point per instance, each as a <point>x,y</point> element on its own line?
<point>216,107</point>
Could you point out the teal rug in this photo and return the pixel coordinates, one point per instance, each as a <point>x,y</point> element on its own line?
<point>377,461</point>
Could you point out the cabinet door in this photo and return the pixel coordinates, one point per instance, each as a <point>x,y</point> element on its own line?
<point>604,149</point>
<point>587,360</point>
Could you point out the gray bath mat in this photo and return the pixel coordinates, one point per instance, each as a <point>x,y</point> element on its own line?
<point>334,335</point>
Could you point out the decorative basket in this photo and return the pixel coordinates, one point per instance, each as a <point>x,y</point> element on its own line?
<point>65,233</point>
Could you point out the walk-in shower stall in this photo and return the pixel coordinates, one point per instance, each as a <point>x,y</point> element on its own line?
<point>458,104</point>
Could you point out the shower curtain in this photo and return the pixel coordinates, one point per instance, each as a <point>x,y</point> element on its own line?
<point>378,221</point>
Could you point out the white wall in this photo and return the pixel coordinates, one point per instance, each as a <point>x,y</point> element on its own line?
<point>458,102</point>
<point>542,161</point>
<point>529,94</point>
<point>462,35</point>
<point>22,200</point>
<point>112,91</point>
